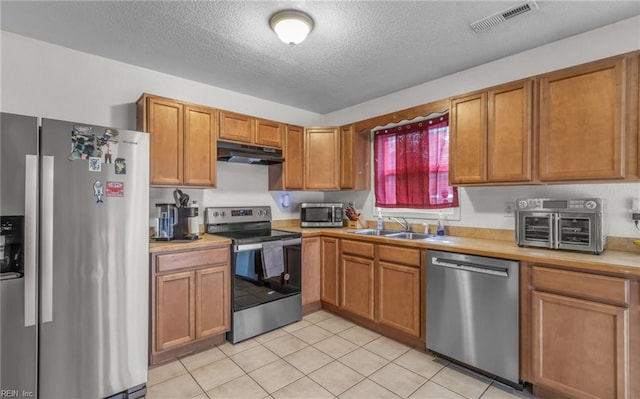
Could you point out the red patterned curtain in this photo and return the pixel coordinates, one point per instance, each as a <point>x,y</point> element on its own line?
<point>412,166</point>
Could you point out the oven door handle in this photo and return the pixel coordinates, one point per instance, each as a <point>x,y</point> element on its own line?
<point>258,245</point>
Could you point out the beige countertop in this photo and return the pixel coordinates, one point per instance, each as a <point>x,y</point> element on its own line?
<point>206,240</point>
<point>610,261</point>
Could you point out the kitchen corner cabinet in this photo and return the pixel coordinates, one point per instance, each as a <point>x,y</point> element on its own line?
<point>182,141</point>
<point>491,135</point>
<point>245,129</point>
<point>580,333</point>
<point>311,273</point>
<point>355,158</point>
<point>399,271</point>
<point>322,158</point>
<point>582,122</point>
<point>357,278</point>
<point>329,289</point>
<point>289,175</point>
<point>190,300</point>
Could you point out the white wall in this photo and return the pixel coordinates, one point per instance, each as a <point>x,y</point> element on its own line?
<point>484,207</point>
<point>46,80</point>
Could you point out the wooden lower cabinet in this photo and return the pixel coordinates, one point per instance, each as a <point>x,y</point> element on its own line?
<point>357,285</point>
<point>311,273</point>
<point>190,301</point>
<point>329,289</point>
<point>213,301</point>
<point>175,304</point>
<point>580,334</point>
<point>398,298</point>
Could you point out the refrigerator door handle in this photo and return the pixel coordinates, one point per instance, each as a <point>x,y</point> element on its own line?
<point>46,247</point>
<point>30,231</point>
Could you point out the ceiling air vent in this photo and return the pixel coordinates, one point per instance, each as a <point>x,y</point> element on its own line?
<point>492,20</point>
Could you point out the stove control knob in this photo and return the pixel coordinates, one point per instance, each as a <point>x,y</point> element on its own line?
<point>215,214</point>
<point>522,204</point>
<point>590,205</point>
<point>222,213</point>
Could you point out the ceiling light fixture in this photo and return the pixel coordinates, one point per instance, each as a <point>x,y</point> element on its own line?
<point>291,26</point>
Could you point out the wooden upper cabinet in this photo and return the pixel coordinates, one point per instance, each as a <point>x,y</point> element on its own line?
<point>491,135</point>
<point>200,130</point>
<point>289,175</point>
<point>269,133</point>
<point>236,127</point>
<point>164,122</point>
<point>294,158</point>
<point>355,158</point>
<point>322,158</point>
<point>582,122</point>
<point>468,139</point>
<point>183,141</point>
<point>509,133</point>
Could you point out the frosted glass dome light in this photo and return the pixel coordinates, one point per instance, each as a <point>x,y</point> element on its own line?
<point>291,26</point>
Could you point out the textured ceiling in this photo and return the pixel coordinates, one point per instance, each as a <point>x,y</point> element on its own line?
<point>358,50</point>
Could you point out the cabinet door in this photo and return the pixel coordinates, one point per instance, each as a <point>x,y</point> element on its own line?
<point>293,158</point>
<point>468,139</point>
<point>355,158</point>
<point>213,296</point>
<point>580,348</point>
<point>509,132</point>
<point>175,310</point>
<point>200,130</point>
<point>236,127</point>
<point>321,158</point>
<point>165,126</point>
<point>398,298</point>
<point>347,157</point>
<point>311,277</point>
<point>329,280</point>
<point>356,283</point>
<point>582,115</point>
<point>269,133</point>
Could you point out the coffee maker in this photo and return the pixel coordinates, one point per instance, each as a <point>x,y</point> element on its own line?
<point>188,226</point>
<point>166,219</point>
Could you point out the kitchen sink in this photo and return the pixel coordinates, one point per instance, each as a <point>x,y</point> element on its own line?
<point>406,235</point>
<point>409,235</point>
<point>374,232</point>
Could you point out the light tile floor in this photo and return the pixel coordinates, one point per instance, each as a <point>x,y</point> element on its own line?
<point>322,356</point>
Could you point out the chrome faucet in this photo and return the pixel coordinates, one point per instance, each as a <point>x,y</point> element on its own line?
<point>402,222</point>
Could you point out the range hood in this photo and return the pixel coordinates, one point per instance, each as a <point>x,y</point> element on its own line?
<point>242,153</point>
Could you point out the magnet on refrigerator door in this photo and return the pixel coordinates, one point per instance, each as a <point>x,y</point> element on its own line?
<point>114,189</point>
<point>121,166</point>
<point>98,191</point>
<point>95,164</point>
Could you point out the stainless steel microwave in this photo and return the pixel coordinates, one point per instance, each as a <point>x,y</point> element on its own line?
<point>321,214</point>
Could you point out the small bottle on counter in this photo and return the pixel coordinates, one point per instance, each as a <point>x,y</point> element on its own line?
<point>380,222</point>
<point>440,230</point>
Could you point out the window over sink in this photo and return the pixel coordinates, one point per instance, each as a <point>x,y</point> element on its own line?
<point>411,167</point>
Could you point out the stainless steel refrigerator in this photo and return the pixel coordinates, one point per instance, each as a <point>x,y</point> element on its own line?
<point>74,251</point>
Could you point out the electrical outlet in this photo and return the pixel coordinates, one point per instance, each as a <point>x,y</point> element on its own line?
<point>509,209</point>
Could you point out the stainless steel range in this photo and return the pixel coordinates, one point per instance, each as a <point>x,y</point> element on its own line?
<point>266,265</point>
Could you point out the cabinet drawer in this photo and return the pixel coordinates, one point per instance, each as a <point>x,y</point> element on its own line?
<point>581,285</point>
<point>399,255</point>
<point>191,259</point>
<point>364,249</point>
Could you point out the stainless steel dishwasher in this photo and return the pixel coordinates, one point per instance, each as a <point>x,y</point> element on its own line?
<point>472,312</point>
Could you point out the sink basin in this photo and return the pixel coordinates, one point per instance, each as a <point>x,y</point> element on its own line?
<point>409,235</point>
<point>374,232</point>
<point>406,235</point>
